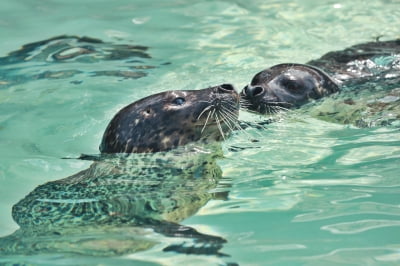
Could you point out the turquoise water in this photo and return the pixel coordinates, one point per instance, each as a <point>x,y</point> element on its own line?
<point>308,193</point>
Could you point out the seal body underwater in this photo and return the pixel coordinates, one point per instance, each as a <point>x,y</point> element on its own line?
<point>360,69</point>
<point>157,166</point>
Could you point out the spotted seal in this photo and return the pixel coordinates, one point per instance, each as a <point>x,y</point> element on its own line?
<point>171,119</point>
<point>157,167</point>
<point>366,75</point>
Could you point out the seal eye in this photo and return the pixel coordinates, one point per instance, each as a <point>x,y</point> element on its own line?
<point>178,101</point>
<point>292,85</point>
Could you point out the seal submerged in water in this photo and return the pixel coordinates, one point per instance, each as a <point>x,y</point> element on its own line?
<point>163,173</point>
<point>360,69</point>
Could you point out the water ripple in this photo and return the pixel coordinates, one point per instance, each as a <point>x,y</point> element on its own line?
<point>359,226</point>
<point>329,211</point>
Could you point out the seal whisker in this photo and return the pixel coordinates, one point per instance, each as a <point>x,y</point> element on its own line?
<point>219,126</point>
<point>232,118</point>
<point>229,118</point>
<point>245,104</point>
<point>227,101</point>
<point>230,111</point>
<point>205,110</point>
<point>227,121</point>
<point>276,103</point>
<point>232,122</point>
<point>203,102</point>
<point>208,117</point>
<point>274,109</point>
<point>244,101</point>
<point>282,108</point>
<point>246,108</point>
<point>269,109</point>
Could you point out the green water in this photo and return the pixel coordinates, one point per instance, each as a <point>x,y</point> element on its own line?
<point>308,193</point>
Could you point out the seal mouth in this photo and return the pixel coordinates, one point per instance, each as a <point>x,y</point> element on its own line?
<point>273,107</point>
<point>258,99</point>
<point>265,106</point>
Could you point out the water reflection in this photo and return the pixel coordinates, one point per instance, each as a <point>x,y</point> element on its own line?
<point>67,57</point>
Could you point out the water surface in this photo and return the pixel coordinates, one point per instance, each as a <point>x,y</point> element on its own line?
<point>308,192</point>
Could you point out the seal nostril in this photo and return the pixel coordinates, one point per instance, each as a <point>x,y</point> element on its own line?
<point>253,91</point>
<point>226,88</point>
<point>257,91</point>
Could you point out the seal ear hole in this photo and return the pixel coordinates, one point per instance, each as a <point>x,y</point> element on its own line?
<point>148,111</point>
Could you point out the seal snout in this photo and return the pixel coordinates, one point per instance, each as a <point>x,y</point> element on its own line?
<point>224,92</point>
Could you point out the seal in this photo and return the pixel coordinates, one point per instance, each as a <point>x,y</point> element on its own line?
<point>285,86</point>
<point>367,76</point>
<point>170,119</point>
<point>157,167</point>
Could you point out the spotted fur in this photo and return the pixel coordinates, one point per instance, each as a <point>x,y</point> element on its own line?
<point>164,171</point>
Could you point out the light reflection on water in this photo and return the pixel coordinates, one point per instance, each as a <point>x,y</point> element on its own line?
<point>314,182</point>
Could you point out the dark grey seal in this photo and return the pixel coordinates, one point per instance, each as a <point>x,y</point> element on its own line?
<point>286,86</point>
<point>362,81</point>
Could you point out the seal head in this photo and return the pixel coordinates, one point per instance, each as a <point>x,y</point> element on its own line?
<point>285,86</point>
<point>170,119</point>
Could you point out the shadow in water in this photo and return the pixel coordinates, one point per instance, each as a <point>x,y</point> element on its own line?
<point>67,57</point>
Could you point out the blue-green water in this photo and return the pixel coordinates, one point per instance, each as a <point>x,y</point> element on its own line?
<point>308,193</point>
